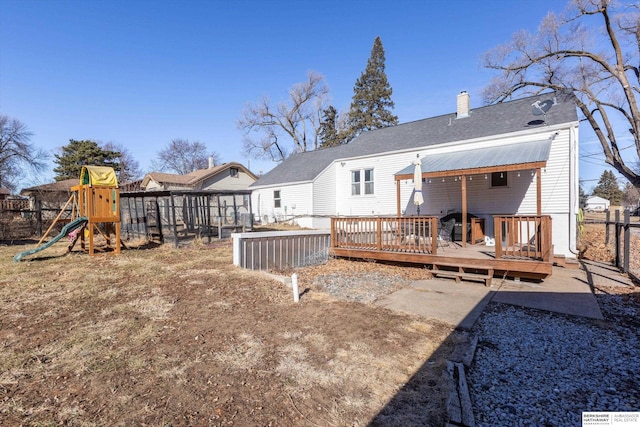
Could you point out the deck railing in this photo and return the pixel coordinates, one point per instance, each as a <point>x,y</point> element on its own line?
<point>522,236</point>
<point>394,234</point>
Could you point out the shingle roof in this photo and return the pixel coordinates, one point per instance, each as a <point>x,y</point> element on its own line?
<point>64,185</point>
<point>503,118</point>
<point>194,177</point>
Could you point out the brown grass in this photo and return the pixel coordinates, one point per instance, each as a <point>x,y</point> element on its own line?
<point>181,337</point>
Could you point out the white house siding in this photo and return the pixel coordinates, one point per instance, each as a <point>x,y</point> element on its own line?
<point>296,198</point>
<point>324,201</point>
<point>383,201</point>
<point>153,185</point>
<point>224,181</point>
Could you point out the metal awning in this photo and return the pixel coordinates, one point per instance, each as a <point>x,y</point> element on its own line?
<point>518,156</point>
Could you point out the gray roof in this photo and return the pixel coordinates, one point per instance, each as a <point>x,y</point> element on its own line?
<point>511,154</point>
<point>497,119</point>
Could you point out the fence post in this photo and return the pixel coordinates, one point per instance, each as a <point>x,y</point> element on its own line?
<point>607,218</point>
<point>39,217</point>
<point>173,219</point>
<point>627,240</point>
<point>617,236</point>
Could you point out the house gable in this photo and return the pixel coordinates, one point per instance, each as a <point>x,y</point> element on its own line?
<point>228,176</point>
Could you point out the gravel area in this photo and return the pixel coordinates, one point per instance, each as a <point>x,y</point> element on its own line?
<point>531,367</point>
<point>534,368</point>
<point>364,287</point>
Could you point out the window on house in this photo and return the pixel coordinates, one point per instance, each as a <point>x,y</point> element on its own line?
<point>499,179</point>
<point>276,198</point>
<point>233,172</point>
<point>368,181</point>
<point>355,183</point>
<point>362,182</point>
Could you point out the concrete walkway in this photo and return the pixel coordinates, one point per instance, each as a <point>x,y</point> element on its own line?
<point>567,291</point>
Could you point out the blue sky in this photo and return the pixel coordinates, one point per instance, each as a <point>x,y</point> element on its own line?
<point>141,73</point>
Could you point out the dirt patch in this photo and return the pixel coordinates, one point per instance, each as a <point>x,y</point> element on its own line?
<point>170,336</point>
<point>593,245</point>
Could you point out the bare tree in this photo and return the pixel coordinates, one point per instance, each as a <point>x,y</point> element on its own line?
<point>600,66</point>
<point>270,129</point>
<point>631,196</point>
<point>129,166</point>
<point>183,157</point>
<point>16,151</point>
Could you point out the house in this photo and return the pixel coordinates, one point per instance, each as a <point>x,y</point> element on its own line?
<point>227,176</point>
<point>514,158</point>
<point>595,203</point>
<point>4,193</point>
<point>52,196</point>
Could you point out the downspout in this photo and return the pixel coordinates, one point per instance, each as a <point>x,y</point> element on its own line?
<point>573,193</point>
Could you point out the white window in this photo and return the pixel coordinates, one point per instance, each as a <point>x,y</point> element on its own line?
<point>276,198</point>
<point>368,181</point>
<point>233,172</point>
<point>362,182</point>
<point>355,183</point>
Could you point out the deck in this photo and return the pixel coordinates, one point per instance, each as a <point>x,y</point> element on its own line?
<point>522,246</point>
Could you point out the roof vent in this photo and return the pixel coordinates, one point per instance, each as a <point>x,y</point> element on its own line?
<point>463,105</point>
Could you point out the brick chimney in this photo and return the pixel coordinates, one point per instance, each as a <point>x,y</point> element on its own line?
<point>463,105</point>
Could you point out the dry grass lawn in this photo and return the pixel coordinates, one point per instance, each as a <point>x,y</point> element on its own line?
<point>170,337</point>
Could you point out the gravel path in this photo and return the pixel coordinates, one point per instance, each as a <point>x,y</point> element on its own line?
<point>534,368</point>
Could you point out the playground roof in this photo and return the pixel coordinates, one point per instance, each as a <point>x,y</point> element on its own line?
<point>98,175</point>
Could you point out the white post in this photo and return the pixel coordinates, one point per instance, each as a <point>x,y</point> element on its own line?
<point>294,285</point>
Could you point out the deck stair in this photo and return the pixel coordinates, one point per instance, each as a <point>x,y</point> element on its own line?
<point>461,271</point>
<point>562,261</point>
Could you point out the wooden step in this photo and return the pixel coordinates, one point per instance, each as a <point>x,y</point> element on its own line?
<point>562,261</point>
<point>459,272</point>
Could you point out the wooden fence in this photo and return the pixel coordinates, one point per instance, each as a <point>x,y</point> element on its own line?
<point>18,222</point>
<point>622,238</point>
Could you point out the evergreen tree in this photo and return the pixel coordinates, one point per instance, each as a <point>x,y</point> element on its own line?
<point>76,154</point>
<point>329,132</point>
<point>608,188</point>
<point>371,104</point>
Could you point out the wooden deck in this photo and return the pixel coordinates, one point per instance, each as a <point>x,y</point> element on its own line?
<point>523,246</point>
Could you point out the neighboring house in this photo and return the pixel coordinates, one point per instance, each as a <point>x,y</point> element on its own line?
<point>595,203</point>
<point>516,159</point>
<point>227,176</point>
<point>51,196</point>
<point>4,193</point>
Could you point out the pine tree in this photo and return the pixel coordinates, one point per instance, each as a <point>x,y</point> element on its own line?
<point>329,133</point>
<point>76,154</point>
<point>371,104</point>
<point>608,188</point>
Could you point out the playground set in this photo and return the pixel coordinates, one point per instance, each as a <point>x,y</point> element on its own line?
<point>95,210</point>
